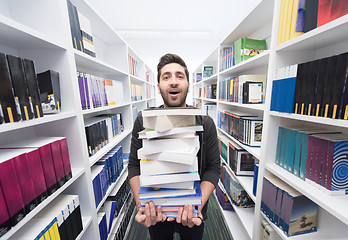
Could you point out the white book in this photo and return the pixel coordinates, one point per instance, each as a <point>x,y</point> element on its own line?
<point>155,167</point>
<point>185,156</point>
<point>150,181</point>
<point>150,133</point>
<point>142,135</point>
<point>181,185</point>
<point>166,145</point>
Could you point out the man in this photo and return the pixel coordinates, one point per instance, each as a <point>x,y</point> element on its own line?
<point>173,85</point>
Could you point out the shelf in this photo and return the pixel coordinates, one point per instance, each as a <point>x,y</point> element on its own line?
<point>17,35</point>
<point>336,205</point>
<point>260,107</point>
<point>255,151</point>
<point>255,62</point>
<point>312,119</point>
<point>323,36</point>
<point>86,221</point>
<point>95,66</point>
<point>117,184</point>
<point>93,159</point>
<point>246,182</point>
<point>233,222</point>
<point>136,80</point>
<point>76,173</point>
<point>101,109</point>
<point>6,127</point>
<point>212,78</point>
<point>210,100</point>
<point>246,215</point>
<point>150,99</point>
<point>140,101</point>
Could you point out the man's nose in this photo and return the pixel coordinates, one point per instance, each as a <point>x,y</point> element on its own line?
<point>174,81</point>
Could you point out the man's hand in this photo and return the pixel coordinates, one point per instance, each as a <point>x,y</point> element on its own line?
<point>185,216</point>
<point>150,216</point>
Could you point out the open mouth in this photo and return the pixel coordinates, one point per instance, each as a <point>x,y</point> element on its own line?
<point>174,92</point>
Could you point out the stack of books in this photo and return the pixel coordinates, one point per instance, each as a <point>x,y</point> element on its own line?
<point>169,166</point>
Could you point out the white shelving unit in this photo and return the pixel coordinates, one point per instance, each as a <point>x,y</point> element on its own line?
<point>327,40</point>
<point>40,30</point>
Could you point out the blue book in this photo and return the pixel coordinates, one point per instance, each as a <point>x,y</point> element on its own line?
<point>150,192</point>
<point>256,174</point>
<point>290,95</point>
<point>112,214</point>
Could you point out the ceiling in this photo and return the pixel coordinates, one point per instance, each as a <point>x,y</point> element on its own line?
<point>189,28</point>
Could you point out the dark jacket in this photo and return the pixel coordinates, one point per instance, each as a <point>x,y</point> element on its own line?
<point>208,155</point>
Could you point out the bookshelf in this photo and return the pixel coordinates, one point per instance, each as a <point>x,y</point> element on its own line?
<point>324,41</point>
<point>40,31</point>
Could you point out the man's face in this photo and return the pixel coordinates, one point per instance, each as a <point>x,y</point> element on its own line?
<point>173,85</point>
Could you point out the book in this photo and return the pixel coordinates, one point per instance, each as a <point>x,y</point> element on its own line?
<point>246,48</point>
<point>151,192</point>
<point>10,106</point>
<point>47,160</point>
<point>154,180</point>
<point>339,83</point>
<point>11,188</point>
<point>5,224</point>
<point>250,78</point>
<point>20,87</point>
<point>183,185</point>
<point>184,156</point>
<point>153,146</point>
<point>240,161</point>
<point>75,27</point>
<point>194,201</point>
<point>150,133</point>
<point>330,10</point>
<point>33,87</point>
<point>156,167</point>
<point>24,177</point>
<point>331,169</point>
<point>49,91</point>
<point>86,33</point>
<point>165,119</point>
<point>252,92</point>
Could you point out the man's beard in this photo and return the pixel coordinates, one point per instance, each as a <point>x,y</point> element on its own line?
<point>167,101</point>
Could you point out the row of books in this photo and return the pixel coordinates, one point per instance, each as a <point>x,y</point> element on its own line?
<point>210,110</point>
<point>102,129</point>
<point>300,16</point>
<point>136,92</point>
<point>208,71</point>
<point>99,92</point>
<point>240,161</point>
<point>267,231</point>
<point>243,89</point>
<point>170,177</point>
<point>24,94</point>
<point>197,77</point>
<point>120,232</point>
<point>133,65</point>
<point>210,91</point>
<point>242,49</point>
<point>30,171</point>
<point>287,208</point>
<point>234,190</point>
<point>61,219</point>
<point>150,92</point>
<point>315,155</point>
<point>105,172</point>
<point>81,31</point>
<point>114,206</point>
<point>244,127</point>
<point>315,88</point>
<point>223,199</point>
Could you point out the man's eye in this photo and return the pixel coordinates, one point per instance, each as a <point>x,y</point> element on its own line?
<point>181,77</point>
<point>165,78</point>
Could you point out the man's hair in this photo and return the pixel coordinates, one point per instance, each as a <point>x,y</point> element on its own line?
<point>170,58</point>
